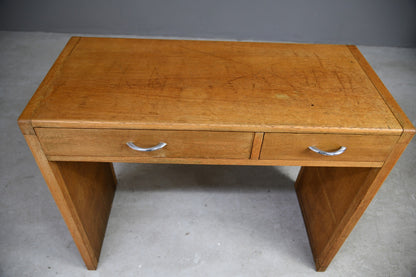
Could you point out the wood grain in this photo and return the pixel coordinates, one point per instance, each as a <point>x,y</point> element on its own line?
<point>332,200</point>
<point>25,119</point>
<point>326,195</point>
<point>256,148</point>
<point>384,93</point>
<point>83,193</point>
<point>91,187</point>
<point>112,143</point>
<point>240,103</point>
<point>216,161</point>
<point>211,85</point>
<point>362,148</point>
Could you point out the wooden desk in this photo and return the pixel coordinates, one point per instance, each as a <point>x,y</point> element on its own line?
<point>212,102</point>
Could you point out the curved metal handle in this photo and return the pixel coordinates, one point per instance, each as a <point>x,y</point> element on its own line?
<point>154,148</point>
<point>334,153</point>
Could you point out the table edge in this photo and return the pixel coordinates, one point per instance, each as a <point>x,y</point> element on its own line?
<point>382,90</point>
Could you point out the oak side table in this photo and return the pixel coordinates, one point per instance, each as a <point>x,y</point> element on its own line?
<point>321,107</point>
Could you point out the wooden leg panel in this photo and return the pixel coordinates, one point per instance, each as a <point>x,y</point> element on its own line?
<point>332,200</point>
<point>91,189</point>
<point>83,192</point>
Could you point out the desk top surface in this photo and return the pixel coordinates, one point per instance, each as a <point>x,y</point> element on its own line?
<point>211,85</point>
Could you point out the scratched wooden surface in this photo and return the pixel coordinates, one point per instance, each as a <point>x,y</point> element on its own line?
<point>255,88</point>
<point>207,85</point>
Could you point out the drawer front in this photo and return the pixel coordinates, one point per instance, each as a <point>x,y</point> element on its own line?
<point>360,148</point>
<point>112,143</point>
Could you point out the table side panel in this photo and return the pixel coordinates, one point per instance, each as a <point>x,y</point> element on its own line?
<point>83,193</point>
<point>318,185</point>
<point>326,196</point>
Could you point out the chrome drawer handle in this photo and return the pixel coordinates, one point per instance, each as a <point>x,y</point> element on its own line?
<point>154,148</point>
<point>335,153</point>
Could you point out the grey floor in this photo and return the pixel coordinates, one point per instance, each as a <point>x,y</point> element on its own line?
<point>178,220</point>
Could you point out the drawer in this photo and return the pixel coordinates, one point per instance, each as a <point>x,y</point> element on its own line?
<point>112,143</point>
<point>359,148</point>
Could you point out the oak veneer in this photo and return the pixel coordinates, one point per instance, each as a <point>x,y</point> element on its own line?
<point>83,193</point>
<point>210,85</point>
<point>295,147</point>
<point>240,103</point>
<point>112,143</point>
<point>257,144</point>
